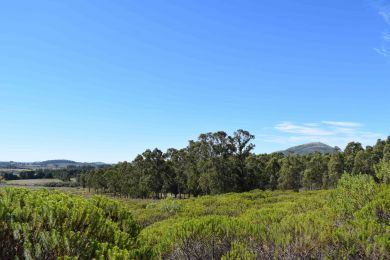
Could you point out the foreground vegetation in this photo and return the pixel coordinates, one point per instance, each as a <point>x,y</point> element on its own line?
<point>351,221</point>
<point>47,225</point>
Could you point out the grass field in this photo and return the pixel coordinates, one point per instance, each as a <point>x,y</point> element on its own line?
<point>12,170</point>
<point>31,182</point>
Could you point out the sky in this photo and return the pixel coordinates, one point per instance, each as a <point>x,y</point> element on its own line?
<point>105,80</point>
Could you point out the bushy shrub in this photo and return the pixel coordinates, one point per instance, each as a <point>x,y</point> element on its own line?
<point>208,237</point>
<point>349,222</point>
<point>62,184</point>
<point>47,224</point>
<point>239,251</point>
<point>352,194</point>
<point>382,171</point>
<point>170,206</point>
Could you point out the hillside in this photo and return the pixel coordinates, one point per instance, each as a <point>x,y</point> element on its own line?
<point>49,164</point>
<point>310,148</point>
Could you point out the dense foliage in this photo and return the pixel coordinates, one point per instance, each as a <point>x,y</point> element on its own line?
<point>48,225</point>
<point>349,222</point>
<point>218,163</point>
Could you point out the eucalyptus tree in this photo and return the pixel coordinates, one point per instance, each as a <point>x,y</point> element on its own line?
<point>151,166</point>
<point>256,177</point>
<point>242,146</point>
<point>350,152</point>
<point>363,163</point>
<point>217,176</point>
<point>192,169</point>
<point>272,170</point>
<point>291,173</point>
<point>377,152</point>
<point>314,172</point>
<point>335,170</point>
<point>176,160</point>
<point>382,170</point>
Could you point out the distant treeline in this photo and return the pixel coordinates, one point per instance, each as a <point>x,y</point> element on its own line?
<point>218,163</point>
<point>64,174</point>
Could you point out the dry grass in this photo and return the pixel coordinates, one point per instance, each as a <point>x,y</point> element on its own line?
<point>12,170</point>
<point>31,182</point>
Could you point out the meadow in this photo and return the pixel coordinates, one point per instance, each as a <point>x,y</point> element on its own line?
<point>350,221</point>
<point>32,182</point>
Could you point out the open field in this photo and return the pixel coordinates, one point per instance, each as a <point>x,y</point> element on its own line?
<point>31,182</point>
<point>12,170</point>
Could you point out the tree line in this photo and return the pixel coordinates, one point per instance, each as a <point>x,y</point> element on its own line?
<point>220,163</point>
<point>64,174</point>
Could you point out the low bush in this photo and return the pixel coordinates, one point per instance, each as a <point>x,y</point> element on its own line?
<point>47,224</point>
<point>349,222</point>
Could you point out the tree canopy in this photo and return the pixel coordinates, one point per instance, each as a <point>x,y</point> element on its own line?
<point>218,163</point>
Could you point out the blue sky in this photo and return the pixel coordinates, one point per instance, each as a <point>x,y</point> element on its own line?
<point>104,80</point>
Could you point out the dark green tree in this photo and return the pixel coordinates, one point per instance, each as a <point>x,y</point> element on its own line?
<point>377,152</point>
<point>335,170</point>
<point>349,155</point>
<point>255,177</point>
<point>272,172</point>
<point>242,148</point>
<point>363,164</point>
<point>177,162</point>
<point>291,173</point>
<point>315,171</point>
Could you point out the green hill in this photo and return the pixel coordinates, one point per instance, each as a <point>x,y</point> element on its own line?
<point>310,148</point>
<point>49,164</point>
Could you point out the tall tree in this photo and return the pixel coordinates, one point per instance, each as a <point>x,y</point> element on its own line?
<point>315,171</point>
<point>177,162</point>
<point>378,150</point>
<point>242,148</point>
<point>382,169</point>
<point>335,170</point>
<point>255,177</point>
<point>386,152</point>
<point>217,176</point>
<point>363,164</point>
<point>153,167</point>
<point>350,153</point>
<point>194,157</point>
<point>272,172</point>
<point>291,173</point>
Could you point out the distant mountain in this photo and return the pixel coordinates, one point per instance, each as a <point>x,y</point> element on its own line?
<point>310,148</point>
<point>49,164</point>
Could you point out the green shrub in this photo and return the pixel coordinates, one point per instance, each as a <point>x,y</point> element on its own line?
<point>239,252</point>
<point>352,194</point>
<point>382,171</point>
<point>47,224</point>
<point>350,222</point>
<point>208,237</point>
<point>170,206</point>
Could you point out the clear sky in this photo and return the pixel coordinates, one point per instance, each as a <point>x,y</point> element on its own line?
<point>104,80</point>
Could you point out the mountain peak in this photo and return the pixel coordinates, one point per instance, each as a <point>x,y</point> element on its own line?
<point>310,148</point>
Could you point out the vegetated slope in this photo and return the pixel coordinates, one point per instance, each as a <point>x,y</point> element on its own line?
<point>309,148</point>
<point>351,221</point>
<point>65,163</point>
<point>49,164</point>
